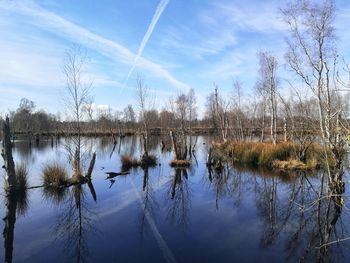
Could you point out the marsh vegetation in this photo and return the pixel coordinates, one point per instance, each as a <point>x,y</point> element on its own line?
<point>166,185</point>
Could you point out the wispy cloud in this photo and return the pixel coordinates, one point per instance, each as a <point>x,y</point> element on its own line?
<point>155,18</point>
<point>57,25</point>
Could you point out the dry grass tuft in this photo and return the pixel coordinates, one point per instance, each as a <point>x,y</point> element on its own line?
<point>289,165</point>
<point>283,155</point>
<point>180,163</point>
<point>22,177</point>
<point>54,175</point>
<point>149,160</point>
<point>128,162</point>
<point>21,187</point>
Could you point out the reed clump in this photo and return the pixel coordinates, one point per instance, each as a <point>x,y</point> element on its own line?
<point>54,174</point>
<point>148,160</point>
<point>282,156</point>
<point>21,177</point>
<point>21,188</point>
<point>128,161</point>
<point>180,163</point>
<point>145,161</point>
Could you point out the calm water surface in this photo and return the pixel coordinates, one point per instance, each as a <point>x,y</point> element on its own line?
<point>167,215</point>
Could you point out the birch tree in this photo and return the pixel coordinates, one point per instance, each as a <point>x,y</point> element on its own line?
<point>268,85</point>
<point>312,56</point>
<point>221,107</point>
<point>77,94</point>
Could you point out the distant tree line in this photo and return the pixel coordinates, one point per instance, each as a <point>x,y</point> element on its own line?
<point>293,118</point>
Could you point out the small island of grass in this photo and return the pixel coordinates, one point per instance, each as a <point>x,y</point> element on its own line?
<point>280,156</point>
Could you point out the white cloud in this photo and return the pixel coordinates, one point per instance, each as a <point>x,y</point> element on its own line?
<point>53,23</point>
<point>258,16</point>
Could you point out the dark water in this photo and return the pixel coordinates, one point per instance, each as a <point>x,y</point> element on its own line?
<point>167,215</point>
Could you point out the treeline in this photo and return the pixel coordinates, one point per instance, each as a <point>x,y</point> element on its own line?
<point>296,118</point>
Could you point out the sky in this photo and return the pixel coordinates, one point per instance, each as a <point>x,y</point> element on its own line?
<point>174,44</point>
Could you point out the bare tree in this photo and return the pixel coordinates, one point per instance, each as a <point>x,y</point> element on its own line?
<point>312,56</point>
<point>143,99</point>
<point>89,108</point>
<point>181,104</point>
<point>221,107</point>
<point>192,108</point>
<point>268,84</point>
<point>77,89</point>
<point>238,113</point>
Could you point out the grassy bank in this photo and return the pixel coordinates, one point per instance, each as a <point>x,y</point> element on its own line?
<point>282,156</point>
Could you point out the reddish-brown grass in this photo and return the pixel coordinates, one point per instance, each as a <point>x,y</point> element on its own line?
<point>283,155</point>
<point>180,163</point>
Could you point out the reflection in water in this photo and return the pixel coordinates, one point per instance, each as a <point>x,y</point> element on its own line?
<point>75,223</point>
<point>10,220</point>
<point>55,194</point>
<point>179,202</point>
<point>308,216</point>
<point>148,202</point>
<point>304,214</point>
<point>75,218</point>
<point>16,203</point>
<point>299,216</point>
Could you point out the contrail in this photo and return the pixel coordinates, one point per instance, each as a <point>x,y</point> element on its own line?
<point>160,8</point>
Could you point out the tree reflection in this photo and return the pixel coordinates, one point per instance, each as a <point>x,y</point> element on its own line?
<point>295,208</point>
<point>227,182</point>
<point>75,220</point>
<point>308,218</point>
<point>148,203</point>
<point>16,203</point>
<point>179,203</point>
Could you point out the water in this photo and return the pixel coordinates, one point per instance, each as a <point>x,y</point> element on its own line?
<point>167,215</point>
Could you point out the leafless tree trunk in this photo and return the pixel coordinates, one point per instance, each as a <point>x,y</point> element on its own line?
<point>221,109</point>
<point>77,95</point>
<point>9,164</point>
<point>268,82</point>
<point>144,105</point>
<point>311,51</point>
<point>237,108</point>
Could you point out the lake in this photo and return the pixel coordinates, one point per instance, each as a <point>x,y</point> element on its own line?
<point>163,214</point>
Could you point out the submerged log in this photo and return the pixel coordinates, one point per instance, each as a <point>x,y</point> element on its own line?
<point>114,174</point>
<point>91,166</point>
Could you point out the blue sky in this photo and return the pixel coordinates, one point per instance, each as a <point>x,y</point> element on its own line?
<point>194,43</point>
